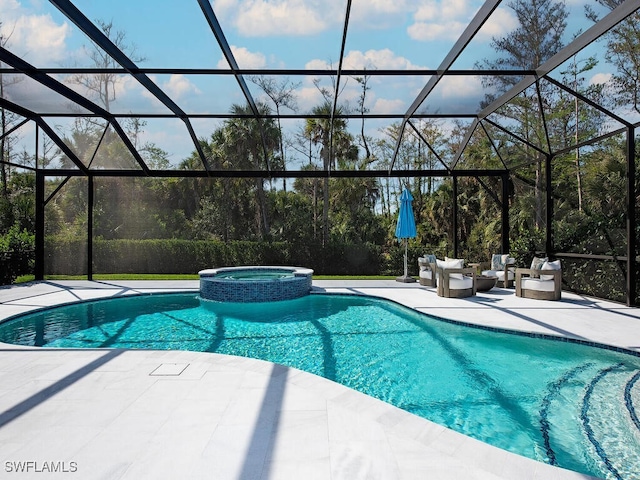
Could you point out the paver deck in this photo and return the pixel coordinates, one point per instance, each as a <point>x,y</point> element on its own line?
<point>123,414</point>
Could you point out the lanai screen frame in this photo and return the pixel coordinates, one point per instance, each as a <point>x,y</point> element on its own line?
<point>127,67</point>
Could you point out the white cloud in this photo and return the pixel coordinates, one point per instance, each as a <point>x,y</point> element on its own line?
<point>381,97</point>
<point>423,31</point>
<point>308,98</point>
<point>258,18</point>
<point>126,85</point>
<point>178,86</point>
<point>378,59</point>
<point>379,14</point>
<point>37,38</point>
<point>6,6</point>
<point>446,10</point>
<point>428,12</point>
<point>460,86</point>
<point>316,64</point>
<point>383,59</point>
<point>499,23</point>
<point>384,6</point>
<point>383,105</point>
<point>442,19</point>
<point>244,58</point>
<point>600,78</point>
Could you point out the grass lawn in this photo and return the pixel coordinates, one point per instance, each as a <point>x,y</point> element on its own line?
<point>153,276</point>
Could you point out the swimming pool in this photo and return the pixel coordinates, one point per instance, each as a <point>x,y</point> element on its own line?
<point>558,402</point>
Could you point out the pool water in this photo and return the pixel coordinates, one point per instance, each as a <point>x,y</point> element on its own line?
<point>562,403</point>
<point>251,275</point>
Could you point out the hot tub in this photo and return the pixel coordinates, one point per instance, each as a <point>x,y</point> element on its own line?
<point>254,284</point>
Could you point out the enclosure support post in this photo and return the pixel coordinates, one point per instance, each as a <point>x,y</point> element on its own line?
<point>631,217</point>
<point>505,213</point>
<point>90,227</point>
<point>39,237</point>
<point>455,217</point>
<point>549,205</point>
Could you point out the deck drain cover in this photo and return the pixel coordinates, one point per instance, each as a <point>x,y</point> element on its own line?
<point>169,369</point>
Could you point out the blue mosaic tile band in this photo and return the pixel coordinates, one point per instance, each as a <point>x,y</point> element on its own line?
<point>553,391</point>
<point>294,285</point>
<point>629,401</point>
<point>586,423</point>
<point>547,336</point>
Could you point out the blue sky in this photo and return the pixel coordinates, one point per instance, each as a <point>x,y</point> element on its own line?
<point>300,34</point>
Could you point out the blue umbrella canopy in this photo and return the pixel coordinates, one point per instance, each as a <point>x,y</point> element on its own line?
<point>406,226</point>
<point>405,229</point>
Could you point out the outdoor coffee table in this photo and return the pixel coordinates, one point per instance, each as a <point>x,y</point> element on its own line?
<point>485,283</point>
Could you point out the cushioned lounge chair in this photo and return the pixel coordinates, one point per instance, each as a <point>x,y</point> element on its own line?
<point>502,267</point>
<point>455,281</point>
<point>543,283</point>
<point>427,275</point>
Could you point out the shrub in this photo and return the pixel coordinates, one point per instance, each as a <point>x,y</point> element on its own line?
<point>16,254</point>
<point>68,257</point>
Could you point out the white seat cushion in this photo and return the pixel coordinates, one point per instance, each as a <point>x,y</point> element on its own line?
<point>538,284</point>
<point>550,266</point>
<point>451,263</point>
<point>460,283</point>
<point>499,274</point>
<point>426,274</point>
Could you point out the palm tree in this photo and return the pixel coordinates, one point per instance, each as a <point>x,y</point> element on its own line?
<point>249,144</point>
<point>330,133</point>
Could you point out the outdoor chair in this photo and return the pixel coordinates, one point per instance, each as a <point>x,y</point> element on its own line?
<point>455,281</point>
<point>543,283</point>
<point>427,273</point>
<point>502,267</point>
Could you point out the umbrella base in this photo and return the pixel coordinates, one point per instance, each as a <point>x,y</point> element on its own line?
<point>405,279</point>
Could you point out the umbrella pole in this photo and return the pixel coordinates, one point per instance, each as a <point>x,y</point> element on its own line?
<point>406,278</point>
<point>406,268</point>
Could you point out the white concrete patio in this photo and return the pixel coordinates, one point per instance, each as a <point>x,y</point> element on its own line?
<point>120,414</point>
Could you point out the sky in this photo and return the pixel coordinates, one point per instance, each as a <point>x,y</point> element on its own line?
<point>274,34</point>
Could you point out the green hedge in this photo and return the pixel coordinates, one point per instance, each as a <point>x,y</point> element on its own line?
<point>17,255</point>
<point>603,279</point>
<point>14,264</point>
<point>69,257</point>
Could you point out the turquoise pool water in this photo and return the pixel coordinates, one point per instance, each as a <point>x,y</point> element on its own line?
<point>251,275</point>
<point>563,403</point>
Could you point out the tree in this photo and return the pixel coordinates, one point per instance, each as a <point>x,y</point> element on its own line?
<point>623,52</point>
<point>537,38</point>
<point>573,77</point>
<point>541,25</point>
<point>7,143</point>
<point>282,95</point>
<point>362,109</point>
<point>104,146</point>
<point>331,135</point>
<point>103,85</point>
<point>249,145</point>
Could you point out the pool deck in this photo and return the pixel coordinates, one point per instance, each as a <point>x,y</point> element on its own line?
<point>122,414</point>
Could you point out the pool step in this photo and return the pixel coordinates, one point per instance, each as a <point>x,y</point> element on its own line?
<point>586,405</point>
<point>560,417</point>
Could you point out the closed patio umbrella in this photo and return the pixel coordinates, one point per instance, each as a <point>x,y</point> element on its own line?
<point>405,229</point>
